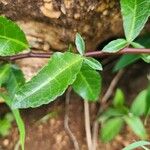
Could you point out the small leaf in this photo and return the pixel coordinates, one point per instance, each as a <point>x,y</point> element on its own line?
<point>136,125</point>
<point>110,129</point>
<point>4,73</point>
<point>93,63</point>
<point>12,38</point>
<point>136,145</point>
<point>137,45</point>
<point>139,105</point>
<point>126,60</point>
<point>119,98</point>
<point>80,44</point>
<point>115,46</point>
<point>88,84</point>
<point>134,17</point>
<point>50,82</point>
<point>113,112</point>
<point>146,57</point>
<point>15,80</point>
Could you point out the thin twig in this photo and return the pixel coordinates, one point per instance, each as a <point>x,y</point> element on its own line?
<point>103,101</point>
<point>88,54</point>
<point>66,121</point>
<point>112,86</point>
<point>87,125</point>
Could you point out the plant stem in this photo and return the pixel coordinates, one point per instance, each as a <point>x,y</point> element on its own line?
<point>88,54</point>
<point>87,125</point>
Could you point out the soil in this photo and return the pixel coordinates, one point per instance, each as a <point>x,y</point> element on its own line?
<point>50,135</point>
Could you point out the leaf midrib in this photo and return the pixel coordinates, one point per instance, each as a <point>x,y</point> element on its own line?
<point>14,40</point>
<point>48,81</point>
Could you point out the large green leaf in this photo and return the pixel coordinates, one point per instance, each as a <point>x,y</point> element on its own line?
<point>50,82</point>
<point>4,73</point>
<point>115,46</point>
<point>139,105</point>
<point>136,144</point>
<point>80,44</point>
<point>135,14</point>
<point>110,129</point>
<point>12,38</point>
<point>88,83</point>
<point>136,125</point>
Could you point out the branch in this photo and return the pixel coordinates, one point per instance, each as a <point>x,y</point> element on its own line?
<point>89,54</point>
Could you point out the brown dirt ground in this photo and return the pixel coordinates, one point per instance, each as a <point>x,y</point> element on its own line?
<point>51,134</point>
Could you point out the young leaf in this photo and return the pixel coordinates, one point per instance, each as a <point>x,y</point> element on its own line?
<point>119,98</point>
<point>146,57</point>
<point>80,44</point>
<point>4,73</point>
<point>93,63</point>
<point>136,125</point>
<point>18,119</point>
<point>113,112</point>
<point>15,80</point>
<point>126,60</point>
<point>115,46</point>
<point>134,17</point>
<point>88,84</point>
<point>139,105</point>
<point>12,38</point>
<point>110,129</point>
<point>50,82</point>
<point>136,145</point>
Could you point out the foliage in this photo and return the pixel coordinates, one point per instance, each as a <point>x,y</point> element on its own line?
<point>137,144</point>
<point>119,111</point>
<point>6,124</point>
<point>78,71</point>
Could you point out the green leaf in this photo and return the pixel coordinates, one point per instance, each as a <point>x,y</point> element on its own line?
<point>4,73</point>
<point>115,46</point>
<point>146,57</point>
<point>139,105</point>
<point>136,145</point>
<point>50,82</point>
<point>18,119</point>
<point>136,125</point>
<point>93,63</point>
<point>110,129</point>
<point>12,38</point>
<point>126,60</point>
<point>88,84</point>
<point>113,112</point>
<point>15,80</point>
<point>5,124</point>
<point>80,44</point>
<point>119,98</point>
<point>135,14</point>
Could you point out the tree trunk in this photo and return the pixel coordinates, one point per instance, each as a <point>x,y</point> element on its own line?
<point>52,24</point>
